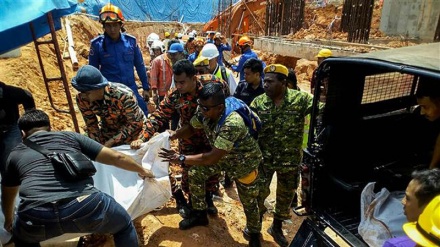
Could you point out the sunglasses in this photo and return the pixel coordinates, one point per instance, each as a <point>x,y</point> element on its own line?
<point>206,108</point>
<point>106,16</point>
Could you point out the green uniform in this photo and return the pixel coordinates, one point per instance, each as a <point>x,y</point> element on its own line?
<point>244,156</point>
<point>280,141</point>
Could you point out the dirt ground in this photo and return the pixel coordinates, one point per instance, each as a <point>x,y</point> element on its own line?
<point>158,228</point>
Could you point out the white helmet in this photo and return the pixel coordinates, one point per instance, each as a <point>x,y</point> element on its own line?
<point>157,44</point>
<point>209,51</point>
<point>152,37</point>
<point>179,35</point>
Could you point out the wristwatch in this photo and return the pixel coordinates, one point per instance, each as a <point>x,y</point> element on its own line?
<point>182,158</point>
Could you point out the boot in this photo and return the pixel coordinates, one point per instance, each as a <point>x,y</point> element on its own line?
<point>212,210</point>
<point>227,183</point>
<point>276,232</point>
<point>197,218</point>
<point>248,236</point>
<point>181,205</point>
<point>255,240</point>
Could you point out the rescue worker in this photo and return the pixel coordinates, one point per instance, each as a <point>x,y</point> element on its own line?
<point>150,39</point>
<point>282,113</point>
<point>183,100</point>
<point>246,52</point>
<point>426,230</point>
<point>116,54</point>
<point>198,45</point>
<point>210,52</point>
<point>210,36</point>
<point>252,85</point>
<point>233,150</point>
<point>167,38</point>
<point>161,74</point>
<point>321,56</point>
<point>222,45</point>
<point>158,48</point>
<point>110,110</point>
<point>189,45</point>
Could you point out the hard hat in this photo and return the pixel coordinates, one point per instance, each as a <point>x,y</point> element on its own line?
<point>209,51</point>
<point>245,40</point>
<point>218,35</point>
<point>157,44</point>
<point>152,37</point>
<point>426,231</point>
<point>201,61</point>
<point>191,36</point>
<point>199,42</point>
<point>179,35</point>
<point>210,32</point>
<point>167,34</point>
<point>176,35</point>
<point>110,13</point>
<point>324,53</point>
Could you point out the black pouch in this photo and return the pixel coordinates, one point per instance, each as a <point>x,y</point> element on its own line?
<point>76,165</point>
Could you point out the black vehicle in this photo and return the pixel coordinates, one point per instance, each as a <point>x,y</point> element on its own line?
<point>370,129</point>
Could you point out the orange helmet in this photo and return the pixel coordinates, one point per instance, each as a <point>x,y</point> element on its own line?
<point>245,40</point>
<point>110,13</point>
<point>199,42</point>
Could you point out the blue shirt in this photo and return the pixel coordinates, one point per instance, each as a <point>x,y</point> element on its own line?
<point>244,57</point>
<point>193,56</point>
<point>222,47</point>
<point>116,60</point>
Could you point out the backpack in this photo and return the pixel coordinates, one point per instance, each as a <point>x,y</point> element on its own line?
<point>250,118</point>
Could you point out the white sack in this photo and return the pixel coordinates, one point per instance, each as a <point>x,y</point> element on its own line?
<point>382,215</point>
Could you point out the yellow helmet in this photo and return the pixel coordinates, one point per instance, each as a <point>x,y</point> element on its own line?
<point>324,53</point>
<point>426,231</point>
<point>167,34</point>
<point>110,13</point>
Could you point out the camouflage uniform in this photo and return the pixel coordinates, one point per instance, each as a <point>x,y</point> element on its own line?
<point>244,156</point>
<point>185,105</point>
<point>120,117</point>
<point>280,141</point>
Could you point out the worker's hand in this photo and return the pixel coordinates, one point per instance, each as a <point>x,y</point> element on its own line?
<point>136,144</point>
<point>169,155</point>
<point>146,95</point>
<point>172,135</point>
<point>145,173</point>
<point>8,225</point>
<point>109,143</point>
<point>223,39</point>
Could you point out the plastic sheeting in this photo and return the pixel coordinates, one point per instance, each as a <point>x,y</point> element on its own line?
<point>17,14</point>
<point>153,10</point>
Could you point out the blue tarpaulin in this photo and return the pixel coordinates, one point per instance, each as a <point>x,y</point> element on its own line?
<point>159,10</point>
<point>17,14</point>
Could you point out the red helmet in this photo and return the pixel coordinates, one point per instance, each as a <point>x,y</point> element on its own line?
<point>110,13</point>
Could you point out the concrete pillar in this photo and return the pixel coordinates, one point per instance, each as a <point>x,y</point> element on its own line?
<point>412,18</point>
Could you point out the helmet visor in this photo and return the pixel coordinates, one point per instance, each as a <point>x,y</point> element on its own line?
<point>109,16</point>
